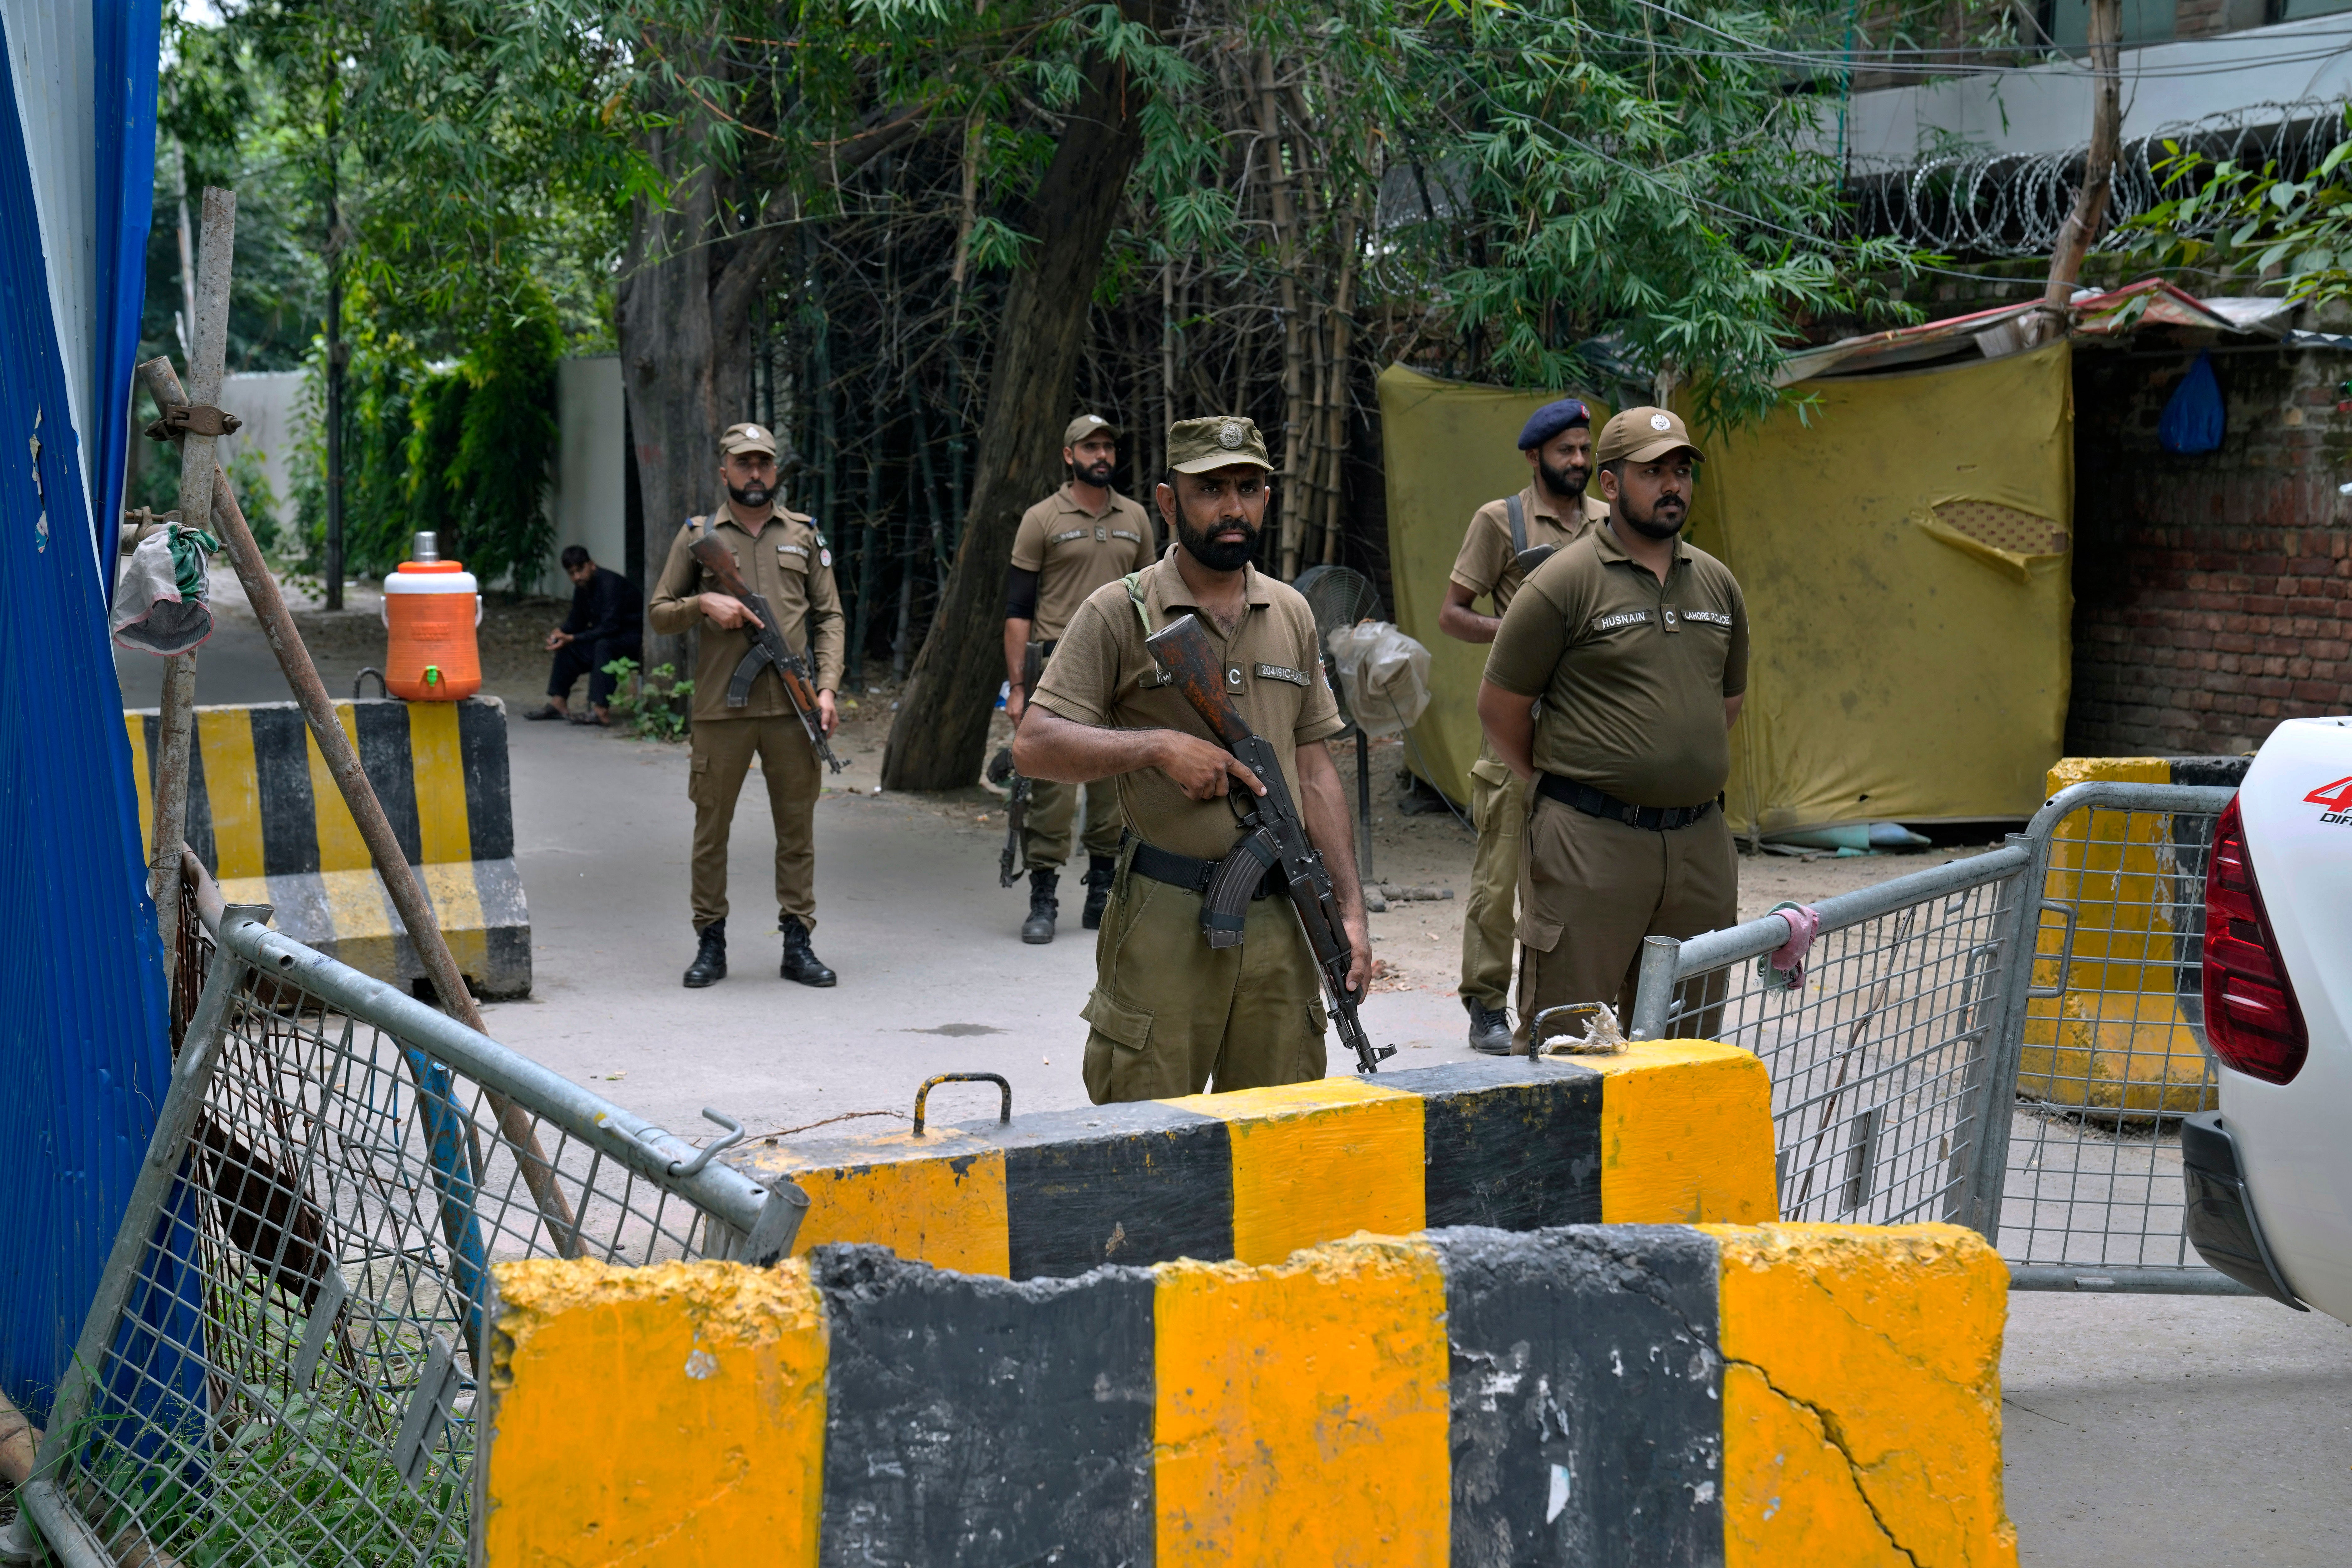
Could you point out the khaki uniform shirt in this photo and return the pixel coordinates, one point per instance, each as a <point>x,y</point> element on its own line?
<point>1488,565</point>
<point>788,564</point>
<point>1074,552</point>
<point>1101,675</point>
<point>1632,672</point>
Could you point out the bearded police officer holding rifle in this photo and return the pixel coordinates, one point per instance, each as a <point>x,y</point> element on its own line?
<point>1615,681</point>
<point>1196,682</point>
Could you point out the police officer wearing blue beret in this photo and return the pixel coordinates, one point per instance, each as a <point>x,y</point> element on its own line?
<point>1502,544</point>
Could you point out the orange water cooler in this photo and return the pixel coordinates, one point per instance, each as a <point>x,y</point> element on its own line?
<point>431,608</point>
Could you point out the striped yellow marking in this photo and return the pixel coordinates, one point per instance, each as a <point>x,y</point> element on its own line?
<point>1861,1397</point>
<point>1301,1412</point>
<point>445,834</point>
<point>136,723</point>
<point>948,1211</point>
<point>341,847</point>
<point>1686,1134</point>
<point>232,789</point>
<point>1304,1158</point>
<point>663,1418</point>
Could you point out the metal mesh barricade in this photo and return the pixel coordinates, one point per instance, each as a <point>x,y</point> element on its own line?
<point>2107,1047</point>
<point>1879,1055</point>
<point>288,1343</point>
<point>1921,1072</point>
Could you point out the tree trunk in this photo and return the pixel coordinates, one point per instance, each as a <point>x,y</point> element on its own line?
<point>942,724</point>
<point>683,312</point>
<point>2090,210</point>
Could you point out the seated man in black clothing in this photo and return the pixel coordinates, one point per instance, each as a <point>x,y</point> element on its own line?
<point>605,623</point>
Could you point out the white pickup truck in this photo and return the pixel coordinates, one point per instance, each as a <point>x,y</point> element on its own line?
<point>2270,1174</point>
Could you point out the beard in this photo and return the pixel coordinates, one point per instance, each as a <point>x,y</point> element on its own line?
<point>1098,474</point>
<point>751,495</point>
<point>1218,556</point>
<point>1664,519</point>
<point>1566,483</point>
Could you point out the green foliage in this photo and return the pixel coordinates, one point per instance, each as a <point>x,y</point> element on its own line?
<point>1638,172</point>
<point>654,708</point>
<point>2226,215</point>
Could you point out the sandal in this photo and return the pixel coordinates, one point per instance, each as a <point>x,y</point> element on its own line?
<point>548,711</point>
<point>588,720</point>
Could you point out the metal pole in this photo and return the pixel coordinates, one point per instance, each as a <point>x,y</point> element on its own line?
<point>337,353</point>
<point>1363,806</point>
<point>343,760</point>
<point>199,459</point>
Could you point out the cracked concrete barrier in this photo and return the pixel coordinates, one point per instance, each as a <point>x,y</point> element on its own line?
<point>267,820</point>
<point>1670,1131</point>
<point>1597,1394</point>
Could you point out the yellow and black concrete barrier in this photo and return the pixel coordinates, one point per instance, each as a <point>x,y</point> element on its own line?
<point>1619,1395</point>
<point>1671,1130</point>
<point>2123,1035</point>
<point>265,815</point>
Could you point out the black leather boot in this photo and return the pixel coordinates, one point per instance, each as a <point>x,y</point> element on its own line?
<point>1038,929</point>
<point>1490,1029</point>
<point>801,962</point>
<point>709,959</point>
<point>1100,871</point>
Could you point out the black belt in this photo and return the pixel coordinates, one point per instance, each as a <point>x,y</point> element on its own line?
<point>1190,874</point>
<point>1598,803</point>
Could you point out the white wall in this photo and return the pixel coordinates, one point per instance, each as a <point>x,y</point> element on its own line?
<point>267,400</point>
<point>2047,109</point>
<point>588,500</point>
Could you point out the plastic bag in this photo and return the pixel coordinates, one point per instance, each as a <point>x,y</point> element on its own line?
<point>1383,674</point>
<point>2193,419</point>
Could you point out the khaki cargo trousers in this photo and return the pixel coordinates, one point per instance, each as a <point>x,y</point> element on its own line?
<point>1170,1013</point>
<point>1499,808</point>
<point>722,752</point>
<point>1591,888</point>
<point>1053,807</point>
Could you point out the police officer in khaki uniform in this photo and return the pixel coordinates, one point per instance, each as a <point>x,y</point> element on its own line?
<point>1077,539</point>
<point>1554,509</point>
<point>785,559</point>
<point>1169,1014</point>
<point>1637,646</point>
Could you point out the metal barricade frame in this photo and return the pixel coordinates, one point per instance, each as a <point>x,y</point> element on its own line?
<point>299,1296</point>
<point>1965,1017</point>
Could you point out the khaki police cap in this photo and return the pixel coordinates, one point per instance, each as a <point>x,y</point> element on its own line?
<point>1218,441</point>
<point>1639,435</point>
<point>1086,425</point>
<point>746,438</point>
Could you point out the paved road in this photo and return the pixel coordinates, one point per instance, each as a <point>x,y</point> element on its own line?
<point>2145,1431</point>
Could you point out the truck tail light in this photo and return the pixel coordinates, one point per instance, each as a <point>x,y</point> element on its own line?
<point>2251,1019</point>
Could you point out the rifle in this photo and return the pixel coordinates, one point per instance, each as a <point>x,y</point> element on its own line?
<point>768,646</point>
<point>1000,768</point>
<point>1274,836</point>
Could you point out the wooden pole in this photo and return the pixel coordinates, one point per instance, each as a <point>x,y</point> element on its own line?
<point>343,760</point>
<point>1294,504</point>
<point>199,458</point>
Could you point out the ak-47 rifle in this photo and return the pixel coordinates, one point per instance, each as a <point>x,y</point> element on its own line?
<point>1274,835</point>
<point>1015,859</point>
<point>767,644</point>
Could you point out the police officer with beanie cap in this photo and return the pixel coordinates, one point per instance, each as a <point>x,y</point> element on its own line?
<point>1169,1014</point>
<point>1554,509</point>
<point>785,559</point>
<point>1635,644</point>
<point>1077,539</point>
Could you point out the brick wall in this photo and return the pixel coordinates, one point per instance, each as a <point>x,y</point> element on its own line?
<point>2210,591</point>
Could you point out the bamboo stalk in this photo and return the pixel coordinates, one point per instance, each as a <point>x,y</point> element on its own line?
<point>343,760</point>
<point>1285,238</point>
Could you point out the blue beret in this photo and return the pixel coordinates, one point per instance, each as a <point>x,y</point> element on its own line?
<point>1551,419</point>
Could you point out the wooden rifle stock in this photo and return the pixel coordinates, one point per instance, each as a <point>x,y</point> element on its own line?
<point>1182,648</point>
